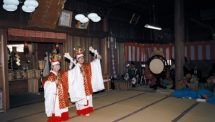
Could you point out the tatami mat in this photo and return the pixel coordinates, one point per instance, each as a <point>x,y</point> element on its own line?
<point>203,112</point>
<point>120,109</point>
<point>135,105</point>
<point>164,111</point>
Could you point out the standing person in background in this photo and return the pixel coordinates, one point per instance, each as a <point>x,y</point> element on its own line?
<point>46,68</point>
<point>188,66</point>
<point>172,73</point>
<point>133,74</point>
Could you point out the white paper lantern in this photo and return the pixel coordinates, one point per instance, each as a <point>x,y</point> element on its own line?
<point>79,17</point>
<point>33,3</point>
<point>11,2</point>
<point>28,9</point>
<point>9,7</point>
<point>84,20</point>
<point>96,19</point>
<point>92,15</point>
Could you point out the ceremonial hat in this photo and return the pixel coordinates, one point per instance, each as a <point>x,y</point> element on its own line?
<point>54,57</point>
<point>79,52</point>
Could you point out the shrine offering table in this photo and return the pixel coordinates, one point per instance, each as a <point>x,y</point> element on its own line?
<point>22,86</point>
<point>18,86</point>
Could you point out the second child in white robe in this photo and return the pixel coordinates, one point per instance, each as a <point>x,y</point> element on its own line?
<point>84,79</point>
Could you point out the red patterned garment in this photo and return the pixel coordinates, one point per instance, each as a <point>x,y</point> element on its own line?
<point>63,91</point>
<point>62,88</point>
<point>86,72</point>
<point>87,75</point>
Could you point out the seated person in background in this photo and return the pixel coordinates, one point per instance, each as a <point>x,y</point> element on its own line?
<point>206,95</point>
<point>187,87</point>
<point>189,81</point>
<point>211,82</point>
<point>192,81</point>
<point>182,84</point>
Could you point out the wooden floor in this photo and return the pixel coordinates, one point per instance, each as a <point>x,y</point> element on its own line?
<point>136,105</point>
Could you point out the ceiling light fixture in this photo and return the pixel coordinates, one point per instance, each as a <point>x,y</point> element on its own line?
<point>81,18</point>
<point>29,5</point>
<point>94,17</point>
<point>91,16</point>
<point>152,27</point>
<point>10,5</point>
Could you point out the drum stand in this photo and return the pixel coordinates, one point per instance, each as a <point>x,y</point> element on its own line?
<point>143,80</point>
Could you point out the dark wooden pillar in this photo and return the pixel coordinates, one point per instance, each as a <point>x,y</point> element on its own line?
<point>4,86</point>
<point>179,40</point>
<point>65,65</point>
<point>105,57</point>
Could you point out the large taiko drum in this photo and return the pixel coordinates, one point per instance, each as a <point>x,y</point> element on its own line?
<point>157,64</point>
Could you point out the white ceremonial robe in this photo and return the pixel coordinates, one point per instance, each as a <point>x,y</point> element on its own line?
<point>52,99</point>
<point>97,79</point>
<point>76,84</point>
<point>76,87</point>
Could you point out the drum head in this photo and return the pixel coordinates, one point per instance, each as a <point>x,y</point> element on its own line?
<point>156,66</point>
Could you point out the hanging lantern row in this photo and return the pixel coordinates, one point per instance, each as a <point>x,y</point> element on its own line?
<point>29,5</point>
<point>92,16</point>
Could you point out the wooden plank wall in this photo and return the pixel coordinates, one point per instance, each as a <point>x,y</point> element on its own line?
<point>84,42</point>
<point>121,59</point>
<point>101,45</point>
